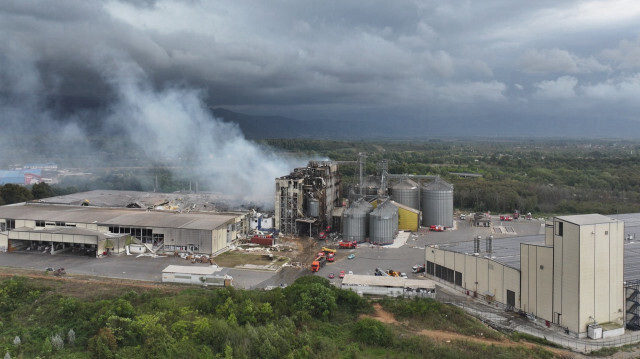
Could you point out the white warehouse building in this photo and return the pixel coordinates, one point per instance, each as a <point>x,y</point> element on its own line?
<point>103,230</point>
<point>574,279</point>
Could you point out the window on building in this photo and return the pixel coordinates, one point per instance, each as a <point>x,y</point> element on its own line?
<point>458,280</point>
<point>430,268</point>
<point>11,224</point>
<point>157,238</point>
<point>39,223</point>
<point>559,228</point>
<point>60,224</point>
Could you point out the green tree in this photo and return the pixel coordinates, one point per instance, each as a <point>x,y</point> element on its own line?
<point>13,193</point>
<point>41,190</point>
<point>311,295</point>
<point>155,339</point>
<point>103,345</point>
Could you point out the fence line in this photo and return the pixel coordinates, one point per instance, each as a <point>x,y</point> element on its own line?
<point>578,344</point>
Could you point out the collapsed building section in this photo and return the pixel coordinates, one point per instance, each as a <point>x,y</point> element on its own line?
<point>306,198</point>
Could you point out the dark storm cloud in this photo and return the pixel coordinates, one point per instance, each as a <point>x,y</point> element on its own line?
<point>336,59</point>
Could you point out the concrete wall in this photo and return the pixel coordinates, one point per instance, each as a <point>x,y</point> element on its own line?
<point>387,291</point>
<point>536,265</point>
<point>601,284</point>
<point>189,278</point>
<point>568,279</point>
<point>480,276</point>
<point>588,279</point>
<point>4,242</point>
<point>219,239</point>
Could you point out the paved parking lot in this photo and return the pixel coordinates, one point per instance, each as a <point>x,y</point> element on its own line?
<point>367,259</point>
<point>125,267</point>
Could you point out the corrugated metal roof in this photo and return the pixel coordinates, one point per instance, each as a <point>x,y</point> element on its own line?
<point>192,270</point>
<point>507,250</point>
<point>113,198</point>
<point>585,219</point>
<point>384,281</point>
<point>405,184</point>
<point>405,207</point>
<point>115,216</point>
<point>438,185</point>
<point>384,208</point>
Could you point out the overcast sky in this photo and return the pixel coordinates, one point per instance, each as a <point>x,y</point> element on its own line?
<point>335,59</point>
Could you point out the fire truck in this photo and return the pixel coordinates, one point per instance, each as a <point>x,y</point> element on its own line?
<point>348,245</point>
<point>318,263</point>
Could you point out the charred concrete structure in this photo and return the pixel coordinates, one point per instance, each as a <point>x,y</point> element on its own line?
<point>306,198</point>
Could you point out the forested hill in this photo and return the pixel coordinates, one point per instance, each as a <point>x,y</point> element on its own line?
<point>82,318</point>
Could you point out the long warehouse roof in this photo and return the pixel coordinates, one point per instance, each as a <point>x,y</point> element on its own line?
<point>507,250</point>
<point>114,216</point>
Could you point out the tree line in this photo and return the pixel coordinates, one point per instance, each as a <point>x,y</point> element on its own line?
<point>309,319</point>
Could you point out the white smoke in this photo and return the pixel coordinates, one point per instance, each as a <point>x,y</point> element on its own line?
<point>173,126</point>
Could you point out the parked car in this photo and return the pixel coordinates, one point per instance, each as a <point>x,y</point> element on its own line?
<point>404,275</point>
<point>341,274</point>
<point>351,256</point>
<point>350,272</point>
<point>331,275</point>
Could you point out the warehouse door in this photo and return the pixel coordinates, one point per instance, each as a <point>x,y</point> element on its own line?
<point>511,298</point>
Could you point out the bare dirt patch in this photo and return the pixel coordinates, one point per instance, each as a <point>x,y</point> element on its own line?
<point>450,337</point>
<point>90,287</point>
<point>236,258</point>
<point>297,251</point>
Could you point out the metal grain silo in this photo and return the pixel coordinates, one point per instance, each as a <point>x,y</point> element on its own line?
<point>437,203</point>
<point>383,223</point>
<point>355,221</point>
<point>406,192</point>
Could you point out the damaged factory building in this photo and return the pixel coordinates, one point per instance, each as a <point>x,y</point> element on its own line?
<point>306,198</point>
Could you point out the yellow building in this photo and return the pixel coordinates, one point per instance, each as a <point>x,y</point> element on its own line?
<point>408,218</point>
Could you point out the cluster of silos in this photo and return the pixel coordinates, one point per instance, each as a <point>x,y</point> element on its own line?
<point>355,221</point>
<point>406,192</point>
<point>437,203</point>
<point>383,223</point>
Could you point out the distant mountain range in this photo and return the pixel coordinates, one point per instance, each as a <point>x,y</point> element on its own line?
<point>256,127</point>
<point>525,125</point>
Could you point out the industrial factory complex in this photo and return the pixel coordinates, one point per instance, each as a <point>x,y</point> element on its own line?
<point>104,222</point>
<point>580,272</point>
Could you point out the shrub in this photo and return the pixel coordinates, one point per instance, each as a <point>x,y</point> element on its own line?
<point>103,345</point>
<point>372,332</point>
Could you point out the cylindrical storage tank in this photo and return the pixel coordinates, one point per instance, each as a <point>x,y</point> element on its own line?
<point>383,224</point>
<point>437,203</point>
<point>355,221</point>
<point>313,207</point>
<point>406,192</point>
